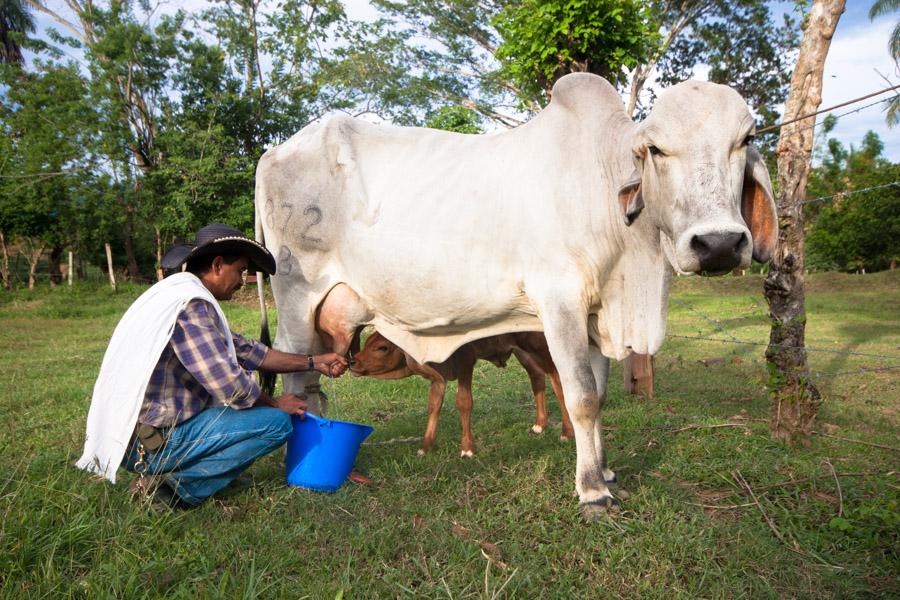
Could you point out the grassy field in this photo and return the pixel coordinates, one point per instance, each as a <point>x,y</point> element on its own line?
<point>504,524</point>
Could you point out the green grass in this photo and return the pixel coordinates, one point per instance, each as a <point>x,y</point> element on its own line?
<point>425,529</point>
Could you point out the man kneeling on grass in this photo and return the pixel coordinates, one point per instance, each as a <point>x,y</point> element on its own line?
<point>174,401</point>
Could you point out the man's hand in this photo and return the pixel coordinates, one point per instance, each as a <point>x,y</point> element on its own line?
<point>291,404</point>
<point>331,364</point>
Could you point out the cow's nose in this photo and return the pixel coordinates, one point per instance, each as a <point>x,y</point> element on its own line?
<point>719,252</point>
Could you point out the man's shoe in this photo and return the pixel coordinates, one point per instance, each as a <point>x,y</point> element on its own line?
<point>157,494</point>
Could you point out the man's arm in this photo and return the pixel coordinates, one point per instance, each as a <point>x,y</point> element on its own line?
<point>253,355</point>
<point>330,364</point>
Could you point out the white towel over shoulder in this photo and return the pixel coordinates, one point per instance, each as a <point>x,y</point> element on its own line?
<point>133,352</point>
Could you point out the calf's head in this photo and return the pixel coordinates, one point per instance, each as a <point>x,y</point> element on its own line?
<point>700,182</point>
<point>380,358</point>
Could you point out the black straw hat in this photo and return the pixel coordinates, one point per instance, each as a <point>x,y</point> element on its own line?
<point>221,240</point>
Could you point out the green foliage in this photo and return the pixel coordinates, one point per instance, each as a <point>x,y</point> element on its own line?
<point>15,22</point>
<point>859,231</point>
<point>454,118</point>
<point>544,40</point>
<point>744,49</point>
<point>46,186</point>
<point>884,7</point>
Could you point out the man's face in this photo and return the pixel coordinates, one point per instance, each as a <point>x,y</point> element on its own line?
<point>225,279</point>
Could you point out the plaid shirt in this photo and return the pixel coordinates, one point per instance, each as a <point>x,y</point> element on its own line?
<point>195,370</point>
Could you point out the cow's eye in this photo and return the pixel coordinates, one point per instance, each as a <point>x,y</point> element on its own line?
<point>655,151</point>
<point>748,139</point>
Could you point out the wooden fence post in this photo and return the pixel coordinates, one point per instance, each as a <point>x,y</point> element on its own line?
<point>109,264</point>
<point>638,374</point>
<point>71,266</point>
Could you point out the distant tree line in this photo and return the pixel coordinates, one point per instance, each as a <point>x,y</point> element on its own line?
<point>121,125</point>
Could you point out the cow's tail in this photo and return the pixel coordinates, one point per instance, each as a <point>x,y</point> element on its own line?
<point>266,378</point>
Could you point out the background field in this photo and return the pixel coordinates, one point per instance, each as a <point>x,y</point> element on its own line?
<point>503,524</point>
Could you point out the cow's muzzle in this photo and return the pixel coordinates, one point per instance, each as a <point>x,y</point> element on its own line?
<point>719,252</point>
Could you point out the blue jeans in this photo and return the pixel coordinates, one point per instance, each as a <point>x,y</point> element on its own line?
<point>205,453</point>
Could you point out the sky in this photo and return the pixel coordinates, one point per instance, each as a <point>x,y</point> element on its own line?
<point>858,53</point>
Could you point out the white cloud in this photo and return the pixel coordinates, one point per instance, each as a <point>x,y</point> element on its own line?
<point>856,52</point>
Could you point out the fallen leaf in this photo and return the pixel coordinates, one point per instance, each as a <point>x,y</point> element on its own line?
<point>743,415</point>
<point>826,497</point>
<point>829,428</point>
<point>460,531</point>
<point>417,521</point>
<point>712,361</point>
<point>493,561</point>
<point>670,410</point>
<point>491,549</point>
<point>736,360</point>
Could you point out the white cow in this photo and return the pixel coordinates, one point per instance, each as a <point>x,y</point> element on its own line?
<point>442,238</point>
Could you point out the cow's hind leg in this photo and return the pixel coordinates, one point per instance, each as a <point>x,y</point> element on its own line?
<point>566,332</point>
<point>296,333</point>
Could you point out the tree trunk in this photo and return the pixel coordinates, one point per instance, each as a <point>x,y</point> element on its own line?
<point>56,276</point>
<point>109,267</point>
<point>130,256</point>
<point>795,400</point>
<point>638,375</point>
<point>159,254</point>
<point>35,250</point>
<point>4,265</point>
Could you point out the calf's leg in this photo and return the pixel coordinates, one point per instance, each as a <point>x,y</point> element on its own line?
<point>538,388</point>
<point>567,432</point>
<point>435,401</point>
<point>464,405</point>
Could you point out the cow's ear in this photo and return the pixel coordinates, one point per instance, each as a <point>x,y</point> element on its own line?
<point>758,207</point>
<point>630,197</point>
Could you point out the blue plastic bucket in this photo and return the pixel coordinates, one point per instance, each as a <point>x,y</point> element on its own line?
<point>321,452</point>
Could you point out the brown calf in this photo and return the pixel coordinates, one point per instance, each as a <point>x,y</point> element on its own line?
<point>382,359</point>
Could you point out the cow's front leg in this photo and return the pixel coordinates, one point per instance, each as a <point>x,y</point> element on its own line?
<point>566,332</point>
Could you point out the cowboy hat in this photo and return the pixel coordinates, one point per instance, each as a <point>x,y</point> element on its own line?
<point>221,240</point>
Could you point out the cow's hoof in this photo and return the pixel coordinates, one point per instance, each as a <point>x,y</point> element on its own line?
<point>467,454</point>
<point>536,430</point>
<point>598,509</point>
<point>566,438</point>
<point>614,480</point>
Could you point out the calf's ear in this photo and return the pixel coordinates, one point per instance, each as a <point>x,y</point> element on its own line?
<point>758,207</point>
<point>630,197</point>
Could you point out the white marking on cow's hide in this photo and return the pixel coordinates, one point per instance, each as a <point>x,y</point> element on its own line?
<point>537,429</point>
